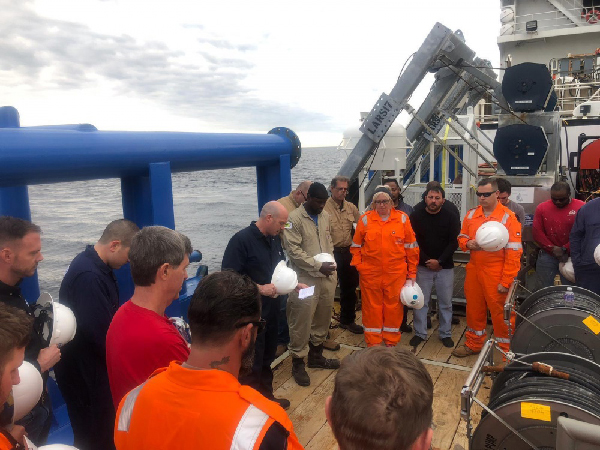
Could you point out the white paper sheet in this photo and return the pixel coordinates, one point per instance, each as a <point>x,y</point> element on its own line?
<point>307,292</point>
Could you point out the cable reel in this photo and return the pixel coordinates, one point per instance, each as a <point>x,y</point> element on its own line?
<point>562,319</point>
<point>530,394</point>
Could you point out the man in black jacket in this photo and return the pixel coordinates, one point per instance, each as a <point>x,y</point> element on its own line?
<point>20,253</point>
<point>90,289</point>
<point>436,230</point>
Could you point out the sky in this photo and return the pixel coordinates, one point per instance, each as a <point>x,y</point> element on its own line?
<point>220,66</point>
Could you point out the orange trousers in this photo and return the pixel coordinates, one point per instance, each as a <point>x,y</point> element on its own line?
<point>481,292</point>
<point>381,308</point>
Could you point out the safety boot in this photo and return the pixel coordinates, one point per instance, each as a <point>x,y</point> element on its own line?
<point>463,351</point>
<point>316,359</point>
<point>299,372</point>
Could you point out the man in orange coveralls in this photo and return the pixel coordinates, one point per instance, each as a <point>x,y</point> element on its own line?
<point>200,404</point>
<point>385,253</point>
<point>489,274</point>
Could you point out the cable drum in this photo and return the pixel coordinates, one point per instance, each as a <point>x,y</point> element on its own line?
<point>559,319</point>
<point>531,402</point>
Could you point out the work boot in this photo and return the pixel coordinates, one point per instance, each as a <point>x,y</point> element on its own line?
<point>316,359</point>
<point>415,341</point>
<point>352,327</point>
<point>331,345</point>
<point>448,342</point>
<point>429,322</point>
<point>463,351</point>
<point>299,372</point>
<point>284,402</point>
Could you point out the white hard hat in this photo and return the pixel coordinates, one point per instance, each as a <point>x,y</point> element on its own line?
<point>567,270</point>
<point>324,257</point>
<point>597,255</point>
<point>64,325</point>
<point>57,447</point>
<point>492,236</point>
<point>27,393</point>
<point>412,296</point>
<point>60,324</point>
<point>284,279</point>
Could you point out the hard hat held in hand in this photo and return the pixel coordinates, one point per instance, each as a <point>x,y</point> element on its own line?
<point>27,393</point>
<point>59,321</point>
<point>412,296</point>
<point>597,255</point>
<point>567,270</point>
<point>492,236</point>
<point>324,257</point>
<point>284,279</point>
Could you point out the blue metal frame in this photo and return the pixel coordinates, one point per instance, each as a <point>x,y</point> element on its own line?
<point>144,161</point>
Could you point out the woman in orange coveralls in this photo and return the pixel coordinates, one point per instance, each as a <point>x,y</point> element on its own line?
<point>385,253</point>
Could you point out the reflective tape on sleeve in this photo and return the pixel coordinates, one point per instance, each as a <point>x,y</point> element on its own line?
<point>403,218</point>
<point>470,214</point>
<point>504,218</point>
<point>464,235</point>
<point>127,409</point>
<point>514,245</point>
<point>249,428</point>
<point>411,245</point>
<point>355,245</point>
<point>503,340</point>
<point>364,220</point>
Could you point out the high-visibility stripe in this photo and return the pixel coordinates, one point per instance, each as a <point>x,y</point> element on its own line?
<point>364,219</point>
<point>403,218</point>
<point>464,235</point>
<point>411,245</point>
<point>503,340</point>
<point>470,214</point>
<point>372,330</point>
<point>477,332</point>
<point>391,330</point>
<point>514,245</point>
<point>127,409</point>
<point>504,218</point>
<point>355,245</point>
<point>249,428</point>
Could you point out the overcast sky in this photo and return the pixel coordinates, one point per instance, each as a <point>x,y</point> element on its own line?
<point>218,65</point>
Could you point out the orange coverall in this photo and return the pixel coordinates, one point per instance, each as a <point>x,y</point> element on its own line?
<point>385,254</point>
<point>181,408</point>
<point>485,271</point>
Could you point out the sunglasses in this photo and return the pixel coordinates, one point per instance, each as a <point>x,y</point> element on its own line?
<point>259,324</point>
<point>483,194</point>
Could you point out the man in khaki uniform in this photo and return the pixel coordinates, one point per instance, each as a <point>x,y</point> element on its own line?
<point>343,216</point>
<point>308,234</point>
<point>296,197</point>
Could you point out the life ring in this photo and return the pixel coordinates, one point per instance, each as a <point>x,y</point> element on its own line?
<point>592,16</point>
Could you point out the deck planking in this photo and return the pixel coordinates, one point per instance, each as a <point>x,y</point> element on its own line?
<point>307,410</point>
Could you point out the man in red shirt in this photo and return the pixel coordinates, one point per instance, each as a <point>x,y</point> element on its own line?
<point>552,224</point>
<point>141,338</point>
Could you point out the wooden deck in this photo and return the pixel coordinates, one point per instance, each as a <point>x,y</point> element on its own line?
<point>448,373</point>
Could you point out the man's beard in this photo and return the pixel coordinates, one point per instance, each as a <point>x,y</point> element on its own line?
<point>434,208</point>
<point>248,359</point>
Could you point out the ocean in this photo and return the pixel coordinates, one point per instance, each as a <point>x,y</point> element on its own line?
<point>210,207</point>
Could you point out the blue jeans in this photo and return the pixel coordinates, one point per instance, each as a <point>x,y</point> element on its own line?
<point>38,421</point>
<point>444,287</point>
<point>546,269</point>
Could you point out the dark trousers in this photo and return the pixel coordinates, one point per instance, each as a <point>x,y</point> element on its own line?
<point>283,337</point>
<point>348,280</point>
<point>588,277</point>
<point>37,422</point>
<point>261,376</point>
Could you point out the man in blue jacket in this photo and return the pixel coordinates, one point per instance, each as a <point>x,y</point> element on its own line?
<point>584,238</point>
<point>90,289</point>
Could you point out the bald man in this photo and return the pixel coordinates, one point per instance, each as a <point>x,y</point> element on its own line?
<point>297,197</point>
<point>255,251</point>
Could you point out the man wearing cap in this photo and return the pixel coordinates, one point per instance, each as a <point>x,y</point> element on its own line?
<point>489,274</point>
<point>308,234</point>
<point>344,216</point>
<point>255,251</point>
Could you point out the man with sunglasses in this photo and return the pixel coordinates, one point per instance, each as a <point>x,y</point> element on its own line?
<point>489,274</point>
<point>552,223</point>
<point>201,403</point>
<point>296,197</point>
<point>255,251</point>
